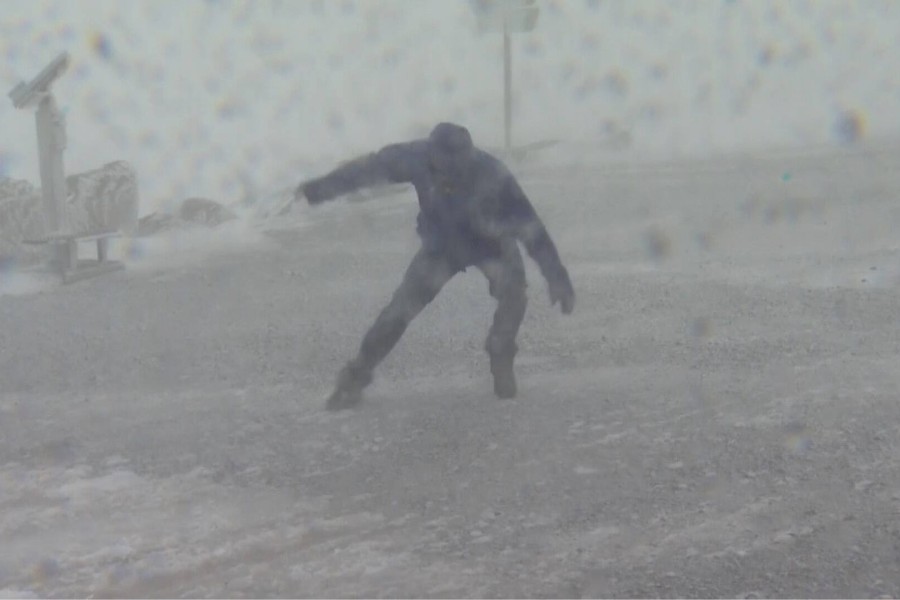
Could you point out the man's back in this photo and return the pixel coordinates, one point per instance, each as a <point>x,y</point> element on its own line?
<point>462,217</point>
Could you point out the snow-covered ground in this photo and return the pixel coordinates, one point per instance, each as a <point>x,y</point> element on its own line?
<point>226,99</point>
<point>718,418</point>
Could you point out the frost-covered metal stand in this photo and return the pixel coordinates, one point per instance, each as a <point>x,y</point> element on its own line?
<point>61,241</point>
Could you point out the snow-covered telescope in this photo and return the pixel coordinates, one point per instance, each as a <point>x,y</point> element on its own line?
<point>29,94</point>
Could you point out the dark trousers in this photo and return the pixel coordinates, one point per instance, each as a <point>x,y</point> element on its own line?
<point>424,278</point>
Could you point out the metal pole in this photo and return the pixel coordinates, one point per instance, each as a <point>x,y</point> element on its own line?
<point>51,143</point>
<point>507,87</point>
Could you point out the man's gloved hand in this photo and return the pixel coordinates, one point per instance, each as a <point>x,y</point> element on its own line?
<point>561,291</point>
<point>299,194</point>
<point>309,190</point>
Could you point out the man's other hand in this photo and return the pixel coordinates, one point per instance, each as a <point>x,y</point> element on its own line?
<point>561,291</point>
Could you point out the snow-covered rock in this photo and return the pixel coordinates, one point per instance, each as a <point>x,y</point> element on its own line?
<point>193,212</point>
<point>21,217</point>
<point>202,211</point>
<point>156,223</point>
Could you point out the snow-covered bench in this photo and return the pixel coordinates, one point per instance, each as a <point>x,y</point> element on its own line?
<point>65,254</point>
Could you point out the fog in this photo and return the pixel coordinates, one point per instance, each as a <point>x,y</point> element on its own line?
<point>717,418</point>
<point>221,99</point>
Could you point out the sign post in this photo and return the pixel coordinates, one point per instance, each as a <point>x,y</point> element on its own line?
<point>507,90</point>
<point>507,16</point>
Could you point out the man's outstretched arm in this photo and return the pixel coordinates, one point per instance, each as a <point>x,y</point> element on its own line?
<point>529,229</point>
<point>391,164</point>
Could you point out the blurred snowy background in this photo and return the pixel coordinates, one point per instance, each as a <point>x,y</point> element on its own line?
<point>231,99</point>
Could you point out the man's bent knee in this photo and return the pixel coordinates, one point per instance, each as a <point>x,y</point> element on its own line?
<point>500,345</point>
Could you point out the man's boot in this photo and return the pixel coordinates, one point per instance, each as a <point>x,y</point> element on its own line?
<point>502,358</point>
<point>348,390</point>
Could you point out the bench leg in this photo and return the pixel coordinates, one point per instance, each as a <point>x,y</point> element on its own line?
<point>102,249</point>
<point>66,255</point>
<point>72,252</point>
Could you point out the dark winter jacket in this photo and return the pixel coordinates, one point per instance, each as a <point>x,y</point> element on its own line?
<point>466,221</point>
